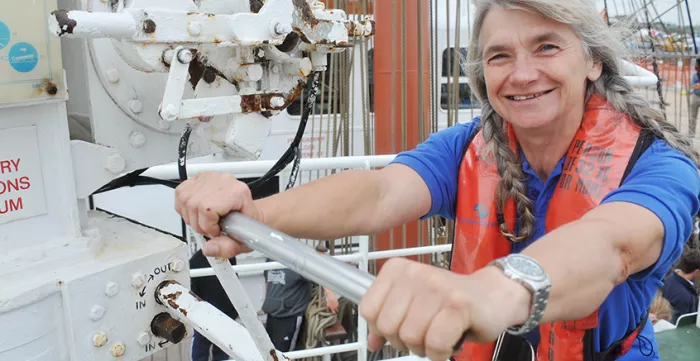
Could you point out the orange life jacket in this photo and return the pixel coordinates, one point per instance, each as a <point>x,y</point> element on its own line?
<point>605,146</point>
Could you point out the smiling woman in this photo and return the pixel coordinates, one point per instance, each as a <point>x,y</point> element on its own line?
<point>571,199</point>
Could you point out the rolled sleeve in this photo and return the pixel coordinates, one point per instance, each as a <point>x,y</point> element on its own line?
<point>667,183</point>
<point>437,161</point>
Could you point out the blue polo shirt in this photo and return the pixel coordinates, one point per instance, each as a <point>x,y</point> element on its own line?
<point>663,180</point>
<point>695,80</point>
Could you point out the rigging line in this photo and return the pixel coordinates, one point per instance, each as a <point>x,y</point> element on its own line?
<point>692,30</point>
<point>456,71</point>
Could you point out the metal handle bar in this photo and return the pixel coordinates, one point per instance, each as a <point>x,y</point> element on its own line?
<point>323,269</point>
<point>342,278</point>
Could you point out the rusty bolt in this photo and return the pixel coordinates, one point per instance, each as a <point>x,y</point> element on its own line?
<point>184,56</point>
<point>52,90</point>
<point>149,26</point>
<point>144,338</point>
<point>118,349</point>
<point>96,312</point>
<point>111,289</point>
<point>112,75</point>
<point>138,279</point>
<point>178,265</point>
<point>194,28</point>
<point>99,339</point>
<point>165,326</point>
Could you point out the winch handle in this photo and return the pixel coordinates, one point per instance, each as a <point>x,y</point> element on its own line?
<point>342,278</point>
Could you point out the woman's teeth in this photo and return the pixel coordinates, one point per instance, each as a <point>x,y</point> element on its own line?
<point>525,97</point>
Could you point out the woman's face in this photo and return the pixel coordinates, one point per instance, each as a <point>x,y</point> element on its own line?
<point>535,69</point>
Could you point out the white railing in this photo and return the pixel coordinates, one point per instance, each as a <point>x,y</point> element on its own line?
<point>361,257</point>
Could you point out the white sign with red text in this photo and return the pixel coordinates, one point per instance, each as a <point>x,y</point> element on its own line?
<point>21,184</point>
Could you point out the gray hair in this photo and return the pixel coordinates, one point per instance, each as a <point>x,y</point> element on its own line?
<point>601,43</point>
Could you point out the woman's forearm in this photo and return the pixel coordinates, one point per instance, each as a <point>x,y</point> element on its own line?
<point>354,202</point>
<point>587,258</point>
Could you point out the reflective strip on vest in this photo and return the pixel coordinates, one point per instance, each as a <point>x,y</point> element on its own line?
<point>595,163</point>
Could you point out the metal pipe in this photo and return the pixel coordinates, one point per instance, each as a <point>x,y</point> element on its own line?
<point>239,298</point>
<point>351,258</point>
<point>227,334</point>
<point>636,75</point>
<point>340,277</point>
<point>84,24</point>
<point>319,351</point>
<point>169,171</point>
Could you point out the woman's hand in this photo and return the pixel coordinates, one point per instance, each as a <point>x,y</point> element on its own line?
<point>427,309</point>
<point>208,196</point>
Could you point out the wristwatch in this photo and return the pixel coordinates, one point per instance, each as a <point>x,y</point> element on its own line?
<point>530,274</point>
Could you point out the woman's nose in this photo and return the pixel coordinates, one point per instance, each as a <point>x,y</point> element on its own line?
<point>524,72</point>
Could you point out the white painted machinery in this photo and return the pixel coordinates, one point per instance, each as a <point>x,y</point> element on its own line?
<point>80,285</point>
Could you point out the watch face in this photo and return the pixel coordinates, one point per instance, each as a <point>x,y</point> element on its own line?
<point>526,266</point>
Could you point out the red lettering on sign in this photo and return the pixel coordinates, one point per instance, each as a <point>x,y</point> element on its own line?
<point>14,185</point>
<point>11,205</point>
<point>9,165</point>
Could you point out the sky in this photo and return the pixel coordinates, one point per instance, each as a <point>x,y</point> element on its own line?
<point>661,6</point>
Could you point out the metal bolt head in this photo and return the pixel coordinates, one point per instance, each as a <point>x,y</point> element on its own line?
<point>96,312</point>
<point>169,112</point>
<point>277,102</point>
<point>282,28</point>
<point>135,106</point>
<point>111,289</point>
<point>194,28</point>
<point>99,339</point>
<point>118,349</point>
<point>137,139</point>
<point>115,163</point>
<point>138,279</point>
<point>144,338</point>
<point>184,56</point>
<point>178,265</point>
<point>112,75</point>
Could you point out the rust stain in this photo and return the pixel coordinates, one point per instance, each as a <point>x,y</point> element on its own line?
<point>184,311</point>
<point>307,14</point>
<point>273,353</point>
<point>164,326</point>
<point>149,26</point>
<point>256,5</point>
<point>59,283</point>
<point>65,24</point>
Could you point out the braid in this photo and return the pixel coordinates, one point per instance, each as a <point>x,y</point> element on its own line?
<point>619,93</point>
<point>513,184</point>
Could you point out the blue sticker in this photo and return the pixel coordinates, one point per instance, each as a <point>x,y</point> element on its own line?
<point>4,35</point>
<point>23,57</point>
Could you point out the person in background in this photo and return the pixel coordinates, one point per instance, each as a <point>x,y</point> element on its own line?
<point>209,289</point>
<point>287,296</point>
<point>694,98</point>
<point>679,288</point>
<point>660,313</point>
